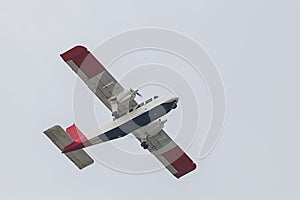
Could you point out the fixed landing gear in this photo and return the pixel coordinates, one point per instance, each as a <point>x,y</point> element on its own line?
<point>145,145</point>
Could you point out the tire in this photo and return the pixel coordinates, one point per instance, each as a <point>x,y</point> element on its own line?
<point>144,145</point>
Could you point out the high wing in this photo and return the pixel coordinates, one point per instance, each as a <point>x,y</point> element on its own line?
<point>94,74</point>
<point>105,86</point>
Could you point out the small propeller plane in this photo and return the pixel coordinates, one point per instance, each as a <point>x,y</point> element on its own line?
<point>143,120</point>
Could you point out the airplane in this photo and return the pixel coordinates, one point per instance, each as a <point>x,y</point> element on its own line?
<point>145,120</point>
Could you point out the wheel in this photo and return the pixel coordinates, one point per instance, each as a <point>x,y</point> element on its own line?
<point>144,145</point>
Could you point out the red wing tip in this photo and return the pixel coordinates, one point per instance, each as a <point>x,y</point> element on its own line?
<point>182,173</point>
<point>73,52</point>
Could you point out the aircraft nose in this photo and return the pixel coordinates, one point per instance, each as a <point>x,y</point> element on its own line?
<point>175,102</point>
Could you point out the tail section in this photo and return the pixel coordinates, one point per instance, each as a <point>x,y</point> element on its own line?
<point>63,139</point>
<point>76,134</point>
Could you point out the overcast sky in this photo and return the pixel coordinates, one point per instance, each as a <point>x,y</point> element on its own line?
<point>255,45</point>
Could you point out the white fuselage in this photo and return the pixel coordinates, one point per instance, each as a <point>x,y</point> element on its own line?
<point>136,114</point>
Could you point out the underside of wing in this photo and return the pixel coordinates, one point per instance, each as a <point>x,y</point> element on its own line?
<point>94,74</point>
<point>169,154</point>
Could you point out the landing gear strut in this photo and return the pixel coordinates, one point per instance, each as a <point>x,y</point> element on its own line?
<point>145,145</point>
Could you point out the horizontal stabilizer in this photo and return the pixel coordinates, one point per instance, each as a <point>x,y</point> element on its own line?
<point>61,139</point>
<point>80,158</point>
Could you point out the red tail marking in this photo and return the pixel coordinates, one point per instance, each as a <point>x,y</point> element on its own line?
<point>76,134</point>
<point>80,140</point>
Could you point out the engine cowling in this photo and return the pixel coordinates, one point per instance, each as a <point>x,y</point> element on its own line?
<point>155,126</point>
<point>126,96</point>
<point>120,102</point>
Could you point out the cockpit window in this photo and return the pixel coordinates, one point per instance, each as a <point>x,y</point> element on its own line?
<point>155,97</point>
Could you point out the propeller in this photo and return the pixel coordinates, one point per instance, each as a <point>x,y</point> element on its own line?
<point>137,93</point>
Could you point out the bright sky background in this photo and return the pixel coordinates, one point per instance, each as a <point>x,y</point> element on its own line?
<point>255,45</point>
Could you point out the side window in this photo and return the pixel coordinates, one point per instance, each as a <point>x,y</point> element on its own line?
<point>141,104</point>
<point>155,97</point>
<point>149,100</point>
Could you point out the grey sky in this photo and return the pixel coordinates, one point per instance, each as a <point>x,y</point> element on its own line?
<point>255,45</point>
